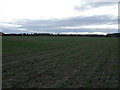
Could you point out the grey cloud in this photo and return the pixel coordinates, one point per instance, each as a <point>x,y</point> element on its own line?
<point>55,24</point>
<point>73,21</point>
<point>91,20</point>
<point>89,5</point>
<point>100,4</point>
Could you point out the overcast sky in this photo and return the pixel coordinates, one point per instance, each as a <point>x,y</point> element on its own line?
<point>59,16</point>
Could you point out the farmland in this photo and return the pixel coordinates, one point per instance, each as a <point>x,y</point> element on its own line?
<point>59,62</point>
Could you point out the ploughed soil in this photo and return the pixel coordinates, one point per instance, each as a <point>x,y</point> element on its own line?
<point>88,65</point>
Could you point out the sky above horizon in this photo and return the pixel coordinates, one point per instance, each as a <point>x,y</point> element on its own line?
<point>59,16</point>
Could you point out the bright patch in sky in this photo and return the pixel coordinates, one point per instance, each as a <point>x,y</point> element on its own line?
<point>37,9</point>
<point>93,26</point>
<point>83,33</point>
<point>23,29</point>
<point>9,25</point>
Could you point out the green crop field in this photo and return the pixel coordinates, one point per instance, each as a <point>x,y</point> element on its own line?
<point>59,62</point>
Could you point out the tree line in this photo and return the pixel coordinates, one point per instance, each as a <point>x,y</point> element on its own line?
<point>48,34</point>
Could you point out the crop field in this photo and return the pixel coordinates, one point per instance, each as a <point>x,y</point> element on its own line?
<point>59,62</point>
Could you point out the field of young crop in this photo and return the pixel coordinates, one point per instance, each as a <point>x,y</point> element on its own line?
<point>59,62</point>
